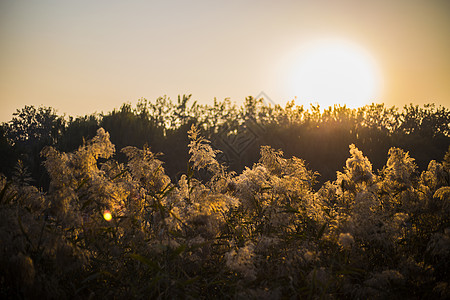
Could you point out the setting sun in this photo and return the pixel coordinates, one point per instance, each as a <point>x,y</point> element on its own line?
<point>331,72</point>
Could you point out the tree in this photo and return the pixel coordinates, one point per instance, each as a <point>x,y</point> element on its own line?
<point>31,126</point>
<point>28,132</point>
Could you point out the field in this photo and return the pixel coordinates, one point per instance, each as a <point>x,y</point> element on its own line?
<point>81,218</point>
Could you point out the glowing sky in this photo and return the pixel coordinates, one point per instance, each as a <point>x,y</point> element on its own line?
<point>85,56</point>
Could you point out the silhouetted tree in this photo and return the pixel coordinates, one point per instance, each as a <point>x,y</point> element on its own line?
<point>78,130</point>
<point>29,131</point>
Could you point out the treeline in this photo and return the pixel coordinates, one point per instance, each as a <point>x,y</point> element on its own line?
<point>319,137</point>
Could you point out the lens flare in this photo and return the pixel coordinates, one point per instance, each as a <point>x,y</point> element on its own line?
<point>107,215</point>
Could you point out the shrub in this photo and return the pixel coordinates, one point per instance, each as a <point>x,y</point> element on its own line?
<point>125,230</point>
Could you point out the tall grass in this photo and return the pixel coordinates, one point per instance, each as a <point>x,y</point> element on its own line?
<point>263,233</point>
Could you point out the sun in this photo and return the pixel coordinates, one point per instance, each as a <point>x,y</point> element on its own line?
<point>329,72</point>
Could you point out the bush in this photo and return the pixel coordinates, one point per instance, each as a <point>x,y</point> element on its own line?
<point>107,229</point>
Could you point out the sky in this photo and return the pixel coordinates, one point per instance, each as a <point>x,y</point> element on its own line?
<point>81,57</point>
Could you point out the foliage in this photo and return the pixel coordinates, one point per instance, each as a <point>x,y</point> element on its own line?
<point>30,125</point>
<point>26,134</point>
<point>321,137</point>
<point>265,232</point>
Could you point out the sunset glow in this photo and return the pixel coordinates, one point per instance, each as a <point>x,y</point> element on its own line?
<point>331,72</point>
<point>81,57</point>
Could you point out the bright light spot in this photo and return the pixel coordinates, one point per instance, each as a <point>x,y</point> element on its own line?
<point>333,71</point>
<point>107,215</point>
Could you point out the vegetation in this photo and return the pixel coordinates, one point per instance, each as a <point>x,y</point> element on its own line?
<point>100,222</point>
<point>321,138</point>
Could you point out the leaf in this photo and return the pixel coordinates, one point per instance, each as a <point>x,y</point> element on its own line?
<point>190,281</point>
<point>180,249</point>
<point>120,174</point>
<point>86,203</point>
<point>290,209</point>
<point>3,192</point>
<point>351,271</point>
<point>169,187</point>
<point>83,182</point>
<point>22,229</point>
<point>321,231</point>
<point>443,193</point>
<point>145,260</point>
<point>91,277</point>
<point>265,188</point>
<point>8,197</point>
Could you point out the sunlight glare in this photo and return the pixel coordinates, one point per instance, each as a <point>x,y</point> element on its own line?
<point>328,72</point>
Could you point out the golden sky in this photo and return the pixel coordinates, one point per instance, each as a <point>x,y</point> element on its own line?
<point>85,56</point>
